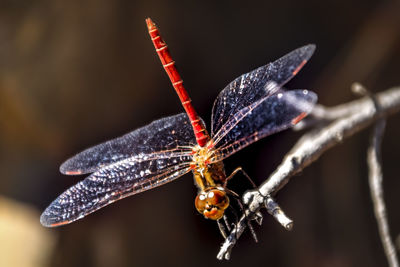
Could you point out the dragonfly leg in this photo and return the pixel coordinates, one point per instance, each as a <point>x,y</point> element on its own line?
<point>253,232</point>
<point>227,222</point>
<point>239,169</point>
<point>234,214</point>
<point>222,229</point>
<point>251,228</point>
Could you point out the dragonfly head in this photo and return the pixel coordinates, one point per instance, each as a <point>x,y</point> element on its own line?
<point>212,203</point>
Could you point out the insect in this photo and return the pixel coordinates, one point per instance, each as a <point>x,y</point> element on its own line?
<point>251,107</point>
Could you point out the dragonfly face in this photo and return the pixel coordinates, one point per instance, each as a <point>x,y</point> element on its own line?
<point>212,202</point>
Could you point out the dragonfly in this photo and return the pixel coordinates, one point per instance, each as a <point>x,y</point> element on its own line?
<point>251,107</point>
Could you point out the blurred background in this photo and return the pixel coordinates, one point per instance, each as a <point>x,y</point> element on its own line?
<point>76,73</point>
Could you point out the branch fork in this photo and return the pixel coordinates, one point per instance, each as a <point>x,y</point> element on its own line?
<point>335,124</point>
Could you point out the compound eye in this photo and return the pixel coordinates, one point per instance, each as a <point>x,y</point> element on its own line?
<point>201,202</point>
<point>218,198</point>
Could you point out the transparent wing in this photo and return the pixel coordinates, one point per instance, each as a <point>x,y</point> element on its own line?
<point>253,86</point>
<point>116,181</point>
<point>264,117</point>
<point>163,134</point>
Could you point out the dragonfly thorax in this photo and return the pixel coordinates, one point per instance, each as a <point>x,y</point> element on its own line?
<point>212,202</point>
<point>207,171</point>
<point>202,156</point>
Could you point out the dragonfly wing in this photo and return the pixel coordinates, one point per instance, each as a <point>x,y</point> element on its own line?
<point>162,134</point>
<point>253,86</point>
<point>265,117</point>
<point>114,182</point>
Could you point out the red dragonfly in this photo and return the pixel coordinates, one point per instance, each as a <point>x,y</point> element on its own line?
<point>251,107</point>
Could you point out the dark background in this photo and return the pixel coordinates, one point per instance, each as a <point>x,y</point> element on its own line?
<point>74,73</point>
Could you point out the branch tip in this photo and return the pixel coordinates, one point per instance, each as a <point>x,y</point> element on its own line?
<point>359,89</point>
<point>278,214</point>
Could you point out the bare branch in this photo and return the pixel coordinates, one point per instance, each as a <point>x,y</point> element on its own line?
<point>375,183</point>
<point>356,116</point>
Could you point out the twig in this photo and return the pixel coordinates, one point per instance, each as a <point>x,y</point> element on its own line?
<point>375,183</point>
<point>309,148</point>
